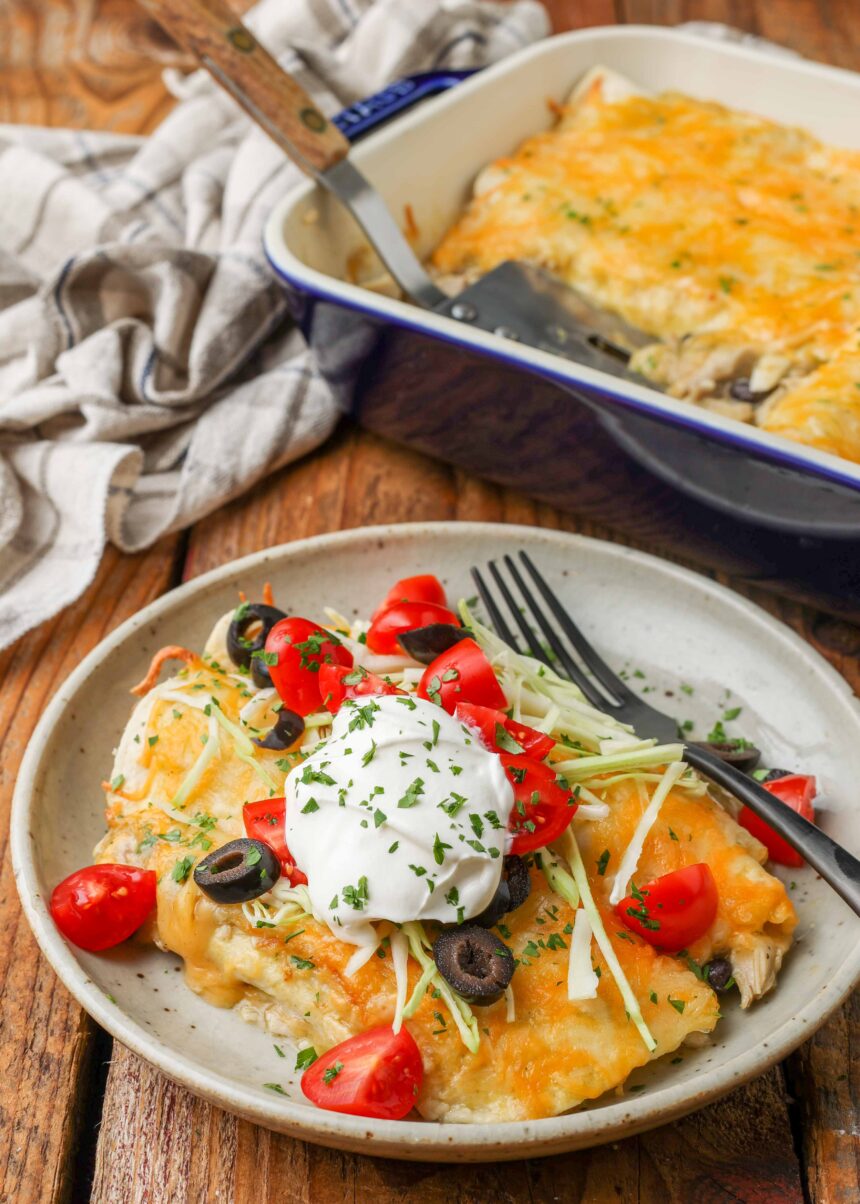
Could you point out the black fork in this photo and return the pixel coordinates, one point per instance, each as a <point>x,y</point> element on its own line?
<point>605,690</point>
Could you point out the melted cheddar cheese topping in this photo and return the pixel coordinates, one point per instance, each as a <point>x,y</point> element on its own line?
<point>733,240</point>
<point>553,1053</point>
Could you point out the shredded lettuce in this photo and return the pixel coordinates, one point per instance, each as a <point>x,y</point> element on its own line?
<point>633,852</point>
<point>399,959</point>
<point>197,770</point>
<point>461,1013</point>
<point>582,982</point>
<point>631,1003</point>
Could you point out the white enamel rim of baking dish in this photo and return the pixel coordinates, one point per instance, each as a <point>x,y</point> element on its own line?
<point>625,597</point>
<point>416,161</point>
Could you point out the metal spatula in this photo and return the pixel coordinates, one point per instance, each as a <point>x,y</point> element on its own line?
<point>514,301</point>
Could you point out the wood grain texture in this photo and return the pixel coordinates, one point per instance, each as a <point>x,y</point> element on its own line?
<point>46,1041</point>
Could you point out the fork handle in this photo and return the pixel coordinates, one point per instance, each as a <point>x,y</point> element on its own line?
<point>836,865</point>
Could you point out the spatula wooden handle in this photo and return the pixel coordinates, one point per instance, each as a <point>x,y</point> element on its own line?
<point>231,53</point>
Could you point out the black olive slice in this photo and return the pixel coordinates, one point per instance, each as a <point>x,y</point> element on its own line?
<point>240,870</point>
<point>740,390</point>
<point>474,962</point>
<point>284,734</point>
<point>513,889</point>
<point>241,648</point>
<point>519,880</point>
<point>718,973</point>
<point>424,644</point>
<point>736,752</point>
<point>774,775</point>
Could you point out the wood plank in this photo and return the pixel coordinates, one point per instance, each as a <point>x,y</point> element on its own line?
<point>47,1044</point>
<point>158,1143</point>
<point>84,63</point>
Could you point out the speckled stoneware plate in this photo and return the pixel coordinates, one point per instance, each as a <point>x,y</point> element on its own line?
<point>670,624</point>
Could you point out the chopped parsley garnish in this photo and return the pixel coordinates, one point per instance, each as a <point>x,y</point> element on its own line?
<point>370,754</point>
<point>379,818</point>
<point>152,741</point>
<point>268,658</point>
<point>305,1058</point>
<point>673,835</point>
<point>331,1074</point>
<point>310,806</point>
<point>394,847</point>
<point>453,897</point>
<point>418,870</point>
<point>603,862</point>
<point>279,1052</point>
<point>439,848</point>
<point>356,896</point>
<point>732,713</point>
<point>413,793</point>
<point>277,1086</point>
<point>505,740</point>
<point>117,782</point>
<point>302,963</point>
<point>182,869</point>
<point>477,825</point>
<point>252,856</point>
<point>356,676</point>
<point>677,1004</point>
<point>309,775</point>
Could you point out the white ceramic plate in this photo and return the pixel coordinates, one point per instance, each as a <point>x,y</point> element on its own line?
<point>672,625</point>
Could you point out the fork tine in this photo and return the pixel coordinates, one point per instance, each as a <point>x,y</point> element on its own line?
<point>496,617</point>
<point>607,678</point>
<point>588,687</point>
<point>528,635</point>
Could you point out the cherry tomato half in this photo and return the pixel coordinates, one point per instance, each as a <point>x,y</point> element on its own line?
<point>337,683</point>
<point>674,910</point>
<point>377,1073</point>
<point>461,674</point>
<point>500,733</point>
<point>423,588</point>
<point>101,906</point>
<point>301,647</point>
<point>266,821</point>
<point>797,791</point>
<point>404,616</point>
<point>542,808</point>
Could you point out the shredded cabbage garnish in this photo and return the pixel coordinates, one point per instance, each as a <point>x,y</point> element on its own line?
<point>461,1013</point>
<point>399,959</point>
<point>633,852</point>
<point>197,770</point>
<point>558,878</point>
<point>631,1003</point>
<point>581,979</point>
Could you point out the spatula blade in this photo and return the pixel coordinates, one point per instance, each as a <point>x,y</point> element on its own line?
<point>525,304</point>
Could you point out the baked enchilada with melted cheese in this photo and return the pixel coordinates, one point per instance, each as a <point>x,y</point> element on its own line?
<point>426,860</point>
<point>734,241</point>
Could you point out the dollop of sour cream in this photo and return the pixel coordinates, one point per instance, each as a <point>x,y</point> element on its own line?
<point>400,815</point>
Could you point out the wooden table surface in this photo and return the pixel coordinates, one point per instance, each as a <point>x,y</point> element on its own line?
<point>82,1118</point>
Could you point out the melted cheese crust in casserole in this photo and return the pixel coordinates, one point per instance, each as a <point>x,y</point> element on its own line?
<point>733,240</point>
<point>553,1054</point>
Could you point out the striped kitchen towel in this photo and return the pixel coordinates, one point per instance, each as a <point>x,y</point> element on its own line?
<point>149,371</point>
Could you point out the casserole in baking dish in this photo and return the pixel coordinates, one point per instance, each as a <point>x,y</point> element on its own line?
<point>731,239</point>
<point>370,346</point>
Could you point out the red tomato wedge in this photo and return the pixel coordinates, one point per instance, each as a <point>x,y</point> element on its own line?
<point>101,906</point>
<point>542,808</point>
<point>797,791</point>
<point>462,674</point>
<point>674,910</point>
<point>404,616</point>
<point>301,647</point>
<point>337,683</point>
<point>377,1073</point>
<point>266,821</point>
<point>502,734</point>
<point>423,588</point>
